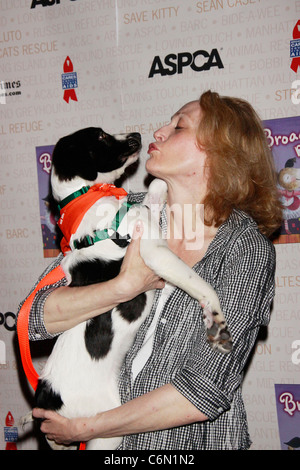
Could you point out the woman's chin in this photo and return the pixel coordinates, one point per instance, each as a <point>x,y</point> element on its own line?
<point>150,168</point>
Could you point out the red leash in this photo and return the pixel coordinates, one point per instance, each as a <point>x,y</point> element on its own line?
<point>22,329</point>
<point>22,325</point>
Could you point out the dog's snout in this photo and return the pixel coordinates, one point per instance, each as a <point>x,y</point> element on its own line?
<point>133,143</point>
<point>134,140</point>
<point>135,135</point>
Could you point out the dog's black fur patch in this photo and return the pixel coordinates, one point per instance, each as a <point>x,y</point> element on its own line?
<point>91,272</point>
<point>99,335</point>
<point>45,397</point>
<point>133,309</point>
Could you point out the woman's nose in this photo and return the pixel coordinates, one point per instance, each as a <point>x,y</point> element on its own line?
<point>159,134</point>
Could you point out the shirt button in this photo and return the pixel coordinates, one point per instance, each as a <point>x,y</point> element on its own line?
<point>163,320</point>
<point>220,410</point>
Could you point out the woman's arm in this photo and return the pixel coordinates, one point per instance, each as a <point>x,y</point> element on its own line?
<point>162,408</point>
<point>57,307</point>
<point>66,306</point>
<point>205,385</point>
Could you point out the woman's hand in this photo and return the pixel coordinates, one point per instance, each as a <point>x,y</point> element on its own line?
<point>135,277</point>
<point>63,430</point>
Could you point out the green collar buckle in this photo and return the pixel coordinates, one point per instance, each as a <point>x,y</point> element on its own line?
<point>72,196</point>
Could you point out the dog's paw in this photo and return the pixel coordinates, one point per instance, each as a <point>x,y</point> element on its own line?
<point>26,419</point>
<point>55,446</point>
<point>218,334</point>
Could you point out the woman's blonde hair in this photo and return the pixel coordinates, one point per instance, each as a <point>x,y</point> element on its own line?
<point>241,168</point>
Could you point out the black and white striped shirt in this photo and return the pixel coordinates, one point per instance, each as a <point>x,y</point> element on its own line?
<point>240,265</point>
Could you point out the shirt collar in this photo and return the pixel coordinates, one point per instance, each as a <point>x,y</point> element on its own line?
<point>237,219</point>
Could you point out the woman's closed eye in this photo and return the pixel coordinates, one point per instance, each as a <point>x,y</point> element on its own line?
<point>177,127</point>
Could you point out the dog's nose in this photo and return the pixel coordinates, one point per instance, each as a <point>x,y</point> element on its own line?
<point>136,136</point>
<point>134,140</point>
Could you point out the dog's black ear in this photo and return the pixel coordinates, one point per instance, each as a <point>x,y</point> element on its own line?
<point>71,159</point>
<point>84,163</point>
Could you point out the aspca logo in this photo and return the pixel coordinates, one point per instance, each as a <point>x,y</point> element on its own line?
<point>174,63</point>
<point>46,3</point>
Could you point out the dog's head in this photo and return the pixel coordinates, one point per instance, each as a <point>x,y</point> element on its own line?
<point>94,155</point>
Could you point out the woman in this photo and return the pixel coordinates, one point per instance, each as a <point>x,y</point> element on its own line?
<point>179,393</point>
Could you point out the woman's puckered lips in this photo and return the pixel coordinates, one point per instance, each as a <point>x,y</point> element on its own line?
<point>152,147</point>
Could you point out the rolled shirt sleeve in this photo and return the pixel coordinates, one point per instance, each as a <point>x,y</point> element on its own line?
<point>36,326</point>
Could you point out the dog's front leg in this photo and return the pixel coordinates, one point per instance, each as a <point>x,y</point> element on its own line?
<point>156,197</point>
<point>169,267</point>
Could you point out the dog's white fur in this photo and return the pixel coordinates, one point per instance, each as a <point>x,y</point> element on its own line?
<point>94,386</point>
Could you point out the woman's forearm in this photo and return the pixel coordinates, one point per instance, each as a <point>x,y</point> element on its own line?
<point>66,307</point>
<point>162,408</point>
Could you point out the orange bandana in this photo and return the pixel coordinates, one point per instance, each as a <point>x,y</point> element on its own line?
<point>72,213</point>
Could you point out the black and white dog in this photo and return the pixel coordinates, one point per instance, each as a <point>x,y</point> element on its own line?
<point>80,377</point>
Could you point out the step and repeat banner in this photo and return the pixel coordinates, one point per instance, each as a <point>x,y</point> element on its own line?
<point>128,65</point>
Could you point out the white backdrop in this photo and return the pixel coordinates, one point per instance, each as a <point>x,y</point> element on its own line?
<point>236,47</point>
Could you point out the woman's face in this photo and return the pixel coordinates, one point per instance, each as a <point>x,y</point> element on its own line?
<point>175,152</point>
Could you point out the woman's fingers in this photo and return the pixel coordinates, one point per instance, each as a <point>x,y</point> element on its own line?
<point>139,276</point>
<point>138,230</point>
<point>54,426</point>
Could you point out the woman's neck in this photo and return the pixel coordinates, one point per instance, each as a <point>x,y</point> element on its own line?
<point>188,236</point>
<point>185,210</point>
<point>186,191</point>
